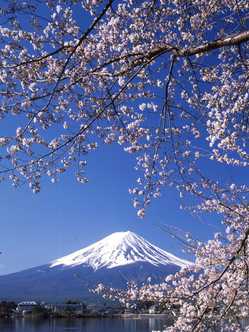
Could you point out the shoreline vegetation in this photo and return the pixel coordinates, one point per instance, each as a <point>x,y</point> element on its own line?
<point>69,310</point>
<point>122,316</point>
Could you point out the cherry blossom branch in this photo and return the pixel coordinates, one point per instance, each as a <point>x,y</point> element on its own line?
<point>232,40</point>
<point>84,128</point>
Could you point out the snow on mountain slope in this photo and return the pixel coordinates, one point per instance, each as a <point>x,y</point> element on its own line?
<point>119,249</point>
<point>117,259</point>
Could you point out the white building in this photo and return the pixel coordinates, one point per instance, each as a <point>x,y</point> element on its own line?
<point>26,307</point>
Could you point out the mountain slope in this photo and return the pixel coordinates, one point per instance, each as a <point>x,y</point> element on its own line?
<point>115,260</point>
<point>119,249</point>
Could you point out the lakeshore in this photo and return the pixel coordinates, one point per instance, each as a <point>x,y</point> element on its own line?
<point>26,324</point>
<point>75,310</point>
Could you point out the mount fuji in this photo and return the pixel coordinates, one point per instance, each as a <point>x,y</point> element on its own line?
<point>113,261</point>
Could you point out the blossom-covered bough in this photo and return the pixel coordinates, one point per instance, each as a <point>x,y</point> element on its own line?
<point>167,80</point>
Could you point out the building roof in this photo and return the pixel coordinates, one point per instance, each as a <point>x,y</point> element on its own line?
<point>28,303</point>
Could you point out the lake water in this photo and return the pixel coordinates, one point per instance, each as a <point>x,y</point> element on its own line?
<point>82,325</point>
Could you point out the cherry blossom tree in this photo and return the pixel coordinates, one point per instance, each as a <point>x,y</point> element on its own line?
<point>165,79</point>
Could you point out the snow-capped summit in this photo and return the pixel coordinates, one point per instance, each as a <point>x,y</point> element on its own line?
<point>119,249</point>
<point>113,261</point>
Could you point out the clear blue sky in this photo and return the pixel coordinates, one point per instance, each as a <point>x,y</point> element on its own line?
<point>64,217</point>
